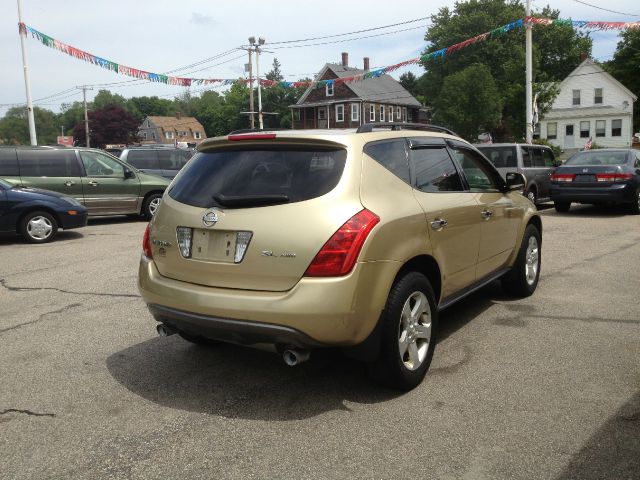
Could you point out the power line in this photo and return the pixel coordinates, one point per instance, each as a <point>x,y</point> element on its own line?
<point>606,9</point>
<point>349,33</point>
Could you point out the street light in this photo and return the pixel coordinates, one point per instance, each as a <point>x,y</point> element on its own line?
<point>260,43</point>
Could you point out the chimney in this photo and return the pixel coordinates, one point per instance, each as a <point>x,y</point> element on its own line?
<point>366,64</point>
<point>345,59</point>
<point>583,56</point>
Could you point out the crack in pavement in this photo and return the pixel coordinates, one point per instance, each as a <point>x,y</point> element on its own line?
<point>3,283</point>
<point>41,317</point>
<point>27,412</point>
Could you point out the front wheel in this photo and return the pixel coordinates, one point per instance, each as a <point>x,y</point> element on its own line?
<point>408,325</point>
<point>531,195</point>
<point>523,278</point>
<point>38,227</point>
<point>151,204</point>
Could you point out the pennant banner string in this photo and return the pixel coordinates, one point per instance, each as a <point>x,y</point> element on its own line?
<point>438,54</point>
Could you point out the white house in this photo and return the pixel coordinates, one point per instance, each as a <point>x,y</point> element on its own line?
<point>591,104</point>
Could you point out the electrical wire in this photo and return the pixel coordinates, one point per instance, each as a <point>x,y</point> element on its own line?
<point>606,9</point>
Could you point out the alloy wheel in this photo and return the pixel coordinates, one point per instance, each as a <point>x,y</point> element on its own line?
<point>414,332</point>
<point>532,257</point>
<point>39,228</point>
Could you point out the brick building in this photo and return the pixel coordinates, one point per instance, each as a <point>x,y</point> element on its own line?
<point>342,105</point>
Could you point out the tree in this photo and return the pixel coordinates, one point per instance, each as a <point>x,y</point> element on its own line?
<point>14,126</point>
<point>410,82</point>
<point>624,67</point>
<point>111,124</point>
<point>142,107</point>
<point>105,98</point>
<point>275,74</point>
<point>556,52</point>
<point>470,102</point>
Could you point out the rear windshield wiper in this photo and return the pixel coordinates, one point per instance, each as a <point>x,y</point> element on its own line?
<point>250,200</point>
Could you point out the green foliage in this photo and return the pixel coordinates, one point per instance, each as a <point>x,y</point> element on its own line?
<point>469,102</point>
<point>557,151</point>
<point>275,74</point>
<point>14,126</point>
<point>556,51</point>
<point>624,67</point>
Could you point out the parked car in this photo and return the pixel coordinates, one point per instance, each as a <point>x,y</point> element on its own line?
<point>608,175</point>
<point>38,214</point>
<point>162,160</point>
<point>345,238</point>
<point>101,182</point>
<point>535,162</point>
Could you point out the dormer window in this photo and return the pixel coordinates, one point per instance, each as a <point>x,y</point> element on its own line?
<point>329,89</point>
<point>597,97</point>
<point>168,135</point>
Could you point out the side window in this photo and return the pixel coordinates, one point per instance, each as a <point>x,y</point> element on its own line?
<point>475,171</point>
<point>143,159</point>
<point>392,155</point>
<point>48,163</point>
<point>99,165</point>
<point>8,163</point>
<point>527,162</point>
<point>548,158</point>
<point>637,162</point>
<point>170,159</point>
<point>537,159</point>
<point>435,171</point>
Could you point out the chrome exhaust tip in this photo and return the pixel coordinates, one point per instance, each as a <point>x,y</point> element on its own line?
<point>165,330</point>
<point>293,357</point>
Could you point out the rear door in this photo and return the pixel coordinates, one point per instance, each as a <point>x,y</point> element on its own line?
<point>106,189</point>
<point>51,169</point>
<point>144,160</point>
<point>450,211</point>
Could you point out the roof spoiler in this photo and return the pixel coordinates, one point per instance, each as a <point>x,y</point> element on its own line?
<point>368,127</point>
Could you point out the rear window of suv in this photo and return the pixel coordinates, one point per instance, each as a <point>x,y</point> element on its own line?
<point>501,157</point>
<point>258,176</point>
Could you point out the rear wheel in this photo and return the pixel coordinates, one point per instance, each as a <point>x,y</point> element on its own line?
<point>523,278</point>
<point>562,207</point>
<point>533,196</point>
<point>634,208</point>
<point>38,227</point>
<point>408,326</point>
<point>151,204</point>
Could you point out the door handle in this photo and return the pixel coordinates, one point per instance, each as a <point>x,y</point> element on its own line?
<point>69,183</point>
<point>93,183</point>
<point>486,214</point>
<point>439,223</point>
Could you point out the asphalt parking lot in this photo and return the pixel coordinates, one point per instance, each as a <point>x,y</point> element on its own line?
<point>545,387</point>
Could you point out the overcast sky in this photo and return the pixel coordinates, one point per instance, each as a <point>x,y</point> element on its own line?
<point>159,36</point>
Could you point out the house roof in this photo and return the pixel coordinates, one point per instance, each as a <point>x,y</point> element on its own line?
<point>382,89</point>
<point>591,63</point>
<point>182,123</point>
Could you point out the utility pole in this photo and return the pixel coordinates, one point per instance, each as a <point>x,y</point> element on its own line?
<point>260,43</point>
<point>252,41</point>
<point>27,81</point>
<point>84,89</point>
<point>529,74</point>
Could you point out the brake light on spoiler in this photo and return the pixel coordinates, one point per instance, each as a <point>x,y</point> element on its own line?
<point>251,136</point>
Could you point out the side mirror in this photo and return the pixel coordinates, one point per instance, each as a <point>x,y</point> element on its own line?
<point>128,173</point>
<point>515,181</point>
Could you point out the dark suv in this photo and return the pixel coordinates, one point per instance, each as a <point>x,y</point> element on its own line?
<point>161,160</point>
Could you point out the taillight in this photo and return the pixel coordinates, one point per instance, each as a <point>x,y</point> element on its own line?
<point>251,136</point>
<point>146,243</point>
<point>613,177</point>
<point>338,256</point>
<point>563,177</point>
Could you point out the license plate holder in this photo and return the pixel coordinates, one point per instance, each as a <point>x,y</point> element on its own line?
<point>585,178</point>
<point>213,245</point>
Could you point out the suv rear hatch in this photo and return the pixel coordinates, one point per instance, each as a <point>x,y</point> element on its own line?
<point>252,215</point>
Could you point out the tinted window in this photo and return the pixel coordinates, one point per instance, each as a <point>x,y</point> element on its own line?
<point>501,157</point>
<point>99,165</point>
<point>172,159</point>
<point>435,171</point>
<point>295,174</point>
<point>143,159</point>
<point>548,158</point>
<point>8,163</point>
<point>598,157</point>
<point>392,155</point>
<point>475,171</point>
<point>527,161</point>
<point>48,163</point>
<point>538,161</point>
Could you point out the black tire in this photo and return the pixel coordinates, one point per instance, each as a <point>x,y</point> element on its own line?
<point>150,204</point>
<point>393,367</point>
<point>519,282</point>
<point>38,227</point>
<point>634,207</point>
<point>198,340</point>
<point>562,207</point>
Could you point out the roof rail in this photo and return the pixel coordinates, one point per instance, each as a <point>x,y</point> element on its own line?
<point>255,130</point>
<point>368,127</point>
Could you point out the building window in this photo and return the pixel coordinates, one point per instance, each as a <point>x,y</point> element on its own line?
<point>597,97</point>
<point>552,130</point>
<point>372,113</point>
<point>391,114</point>
<point>183,134</point>
<point>340,113</point>
<point>568,130</point>
<point>382,113</point>
<point>576,97</point>
<point>329,89</point>
<point>355,112</point>
<point>585,129</point>
<point>144,135</point>
<point>601,128</point>
<point>168,135</point>
<point>153,136</point>
<point>404,114</point>
<point>296,114</point>
<point>616,128</point>
<point>322,113</point>
<point>399,113</point>
<point>197,135</point>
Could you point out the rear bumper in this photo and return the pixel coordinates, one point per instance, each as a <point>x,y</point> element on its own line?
<point>72,221</point>
<point>339,311</point>
<point>615,193</point>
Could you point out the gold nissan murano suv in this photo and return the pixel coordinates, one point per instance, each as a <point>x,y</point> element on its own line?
<point>305,239</point>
